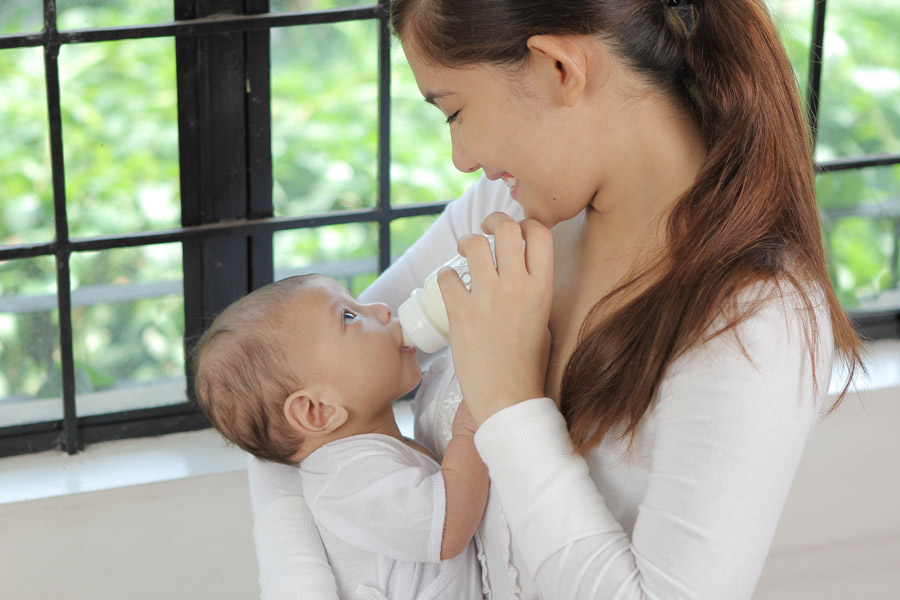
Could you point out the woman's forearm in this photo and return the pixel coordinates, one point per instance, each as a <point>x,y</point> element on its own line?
<point>292,560</point>
<point>726,435</point>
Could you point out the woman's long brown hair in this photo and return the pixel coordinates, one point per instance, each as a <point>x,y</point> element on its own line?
<point>751,215</point>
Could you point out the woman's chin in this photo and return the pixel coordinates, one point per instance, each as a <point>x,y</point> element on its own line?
<point>548,221</point>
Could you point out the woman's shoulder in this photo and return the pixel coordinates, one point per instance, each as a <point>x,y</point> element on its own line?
<point>772,333</point>
<point>785,306</point>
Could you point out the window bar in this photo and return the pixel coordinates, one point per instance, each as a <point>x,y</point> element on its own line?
<point>258,115</point>
<point>63,283</point>
<point>218,230</point>
<point>815,67</point>
<point>384,138</point>
<point>193,26</point>
<point>858,162</point>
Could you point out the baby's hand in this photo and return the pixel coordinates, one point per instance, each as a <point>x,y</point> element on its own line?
<point>463,422</point>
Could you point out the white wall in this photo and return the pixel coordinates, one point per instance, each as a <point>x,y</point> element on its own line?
<point>190,538</point>
<point>839,535</point>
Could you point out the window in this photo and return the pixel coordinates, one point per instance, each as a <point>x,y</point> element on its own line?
<point>159,160</point>
<point>847,57</point>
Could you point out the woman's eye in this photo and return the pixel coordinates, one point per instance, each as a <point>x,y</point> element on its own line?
<point>452,117</point>
<point>348,317</point>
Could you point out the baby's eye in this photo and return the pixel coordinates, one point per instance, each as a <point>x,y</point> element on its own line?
<point>452,117</point>
<point>348,317</point>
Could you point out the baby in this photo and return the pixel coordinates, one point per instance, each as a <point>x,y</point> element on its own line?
<point>298,372</point>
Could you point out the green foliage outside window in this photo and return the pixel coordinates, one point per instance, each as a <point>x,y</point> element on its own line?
<point>121,159</point>
<point>859,114</point>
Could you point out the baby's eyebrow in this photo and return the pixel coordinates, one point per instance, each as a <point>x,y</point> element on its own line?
<point>336,307</point>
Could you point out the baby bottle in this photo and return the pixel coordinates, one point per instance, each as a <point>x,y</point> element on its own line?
<point>423,316</point>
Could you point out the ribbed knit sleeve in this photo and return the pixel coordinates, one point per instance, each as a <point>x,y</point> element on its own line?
<point>729,426</point>
<point>292,561</point>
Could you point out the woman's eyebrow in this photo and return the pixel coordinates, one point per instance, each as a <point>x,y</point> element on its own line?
<point>432,96</point>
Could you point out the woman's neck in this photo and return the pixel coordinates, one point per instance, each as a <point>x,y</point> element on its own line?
<point>658,159</point>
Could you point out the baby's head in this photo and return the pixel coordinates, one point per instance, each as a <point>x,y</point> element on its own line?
<point>298,363</point>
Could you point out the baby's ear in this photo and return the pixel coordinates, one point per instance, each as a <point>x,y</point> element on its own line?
<point>312,415</point>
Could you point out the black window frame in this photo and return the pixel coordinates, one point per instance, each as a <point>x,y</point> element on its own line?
<point>228,222</point>
<point>872,325</point>
<point>224,122</point>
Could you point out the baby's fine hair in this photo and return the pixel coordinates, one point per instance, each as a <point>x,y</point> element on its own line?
<point>242,375</point>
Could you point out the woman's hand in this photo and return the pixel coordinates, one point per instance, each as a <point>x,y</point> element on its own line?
<point>498,332</point>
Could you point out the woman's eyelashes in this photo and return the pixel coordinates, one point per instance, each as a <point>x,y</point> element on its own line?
<point>452,117</point>
<point>348,316</point>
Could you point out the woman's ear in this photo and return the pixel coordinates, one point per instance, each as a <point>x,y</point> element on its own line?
<point>562,63</point>
<point>312,415</point>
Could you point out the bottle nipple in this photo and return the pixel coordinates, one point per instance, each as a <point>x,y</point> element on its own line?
<point>407,341</point>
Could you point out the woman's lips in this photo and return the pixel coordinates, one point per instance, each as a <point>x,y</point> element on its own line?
<point>509,180</point>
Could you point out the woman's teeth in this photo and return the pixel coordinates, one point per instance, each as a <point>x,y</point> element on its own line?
<point>510,181</point>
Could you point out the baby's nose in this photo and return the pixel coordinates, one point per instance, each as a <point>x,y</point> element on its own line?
<point>383,312</point>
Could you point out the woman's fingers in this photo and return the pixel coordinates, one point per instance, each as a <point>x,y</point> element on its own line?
<point>477,250</point>
<point>453,290</point>
<point>493,220</point>
<point>538,249</point>
<point>498,332</point>
<point>507,242</point>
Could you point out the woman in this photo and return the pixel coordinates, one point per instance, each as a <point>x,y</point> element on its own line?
<point>657,150</point>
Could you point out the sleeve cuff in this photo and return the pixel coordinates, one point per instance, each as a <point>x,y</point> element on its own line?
<point>544,487</point>
<point>437,523</point>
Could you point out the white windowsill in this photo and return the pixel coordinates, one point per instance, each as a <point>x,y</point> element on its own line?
<point>129,462</point>
<point>176,456</point>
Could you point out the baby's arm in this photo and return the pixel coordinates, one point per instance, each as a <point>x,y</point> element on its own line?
<point>466,484</point>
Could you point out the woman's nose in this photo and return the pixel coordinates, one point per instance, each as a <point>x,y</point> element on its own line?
<point>461,160</point>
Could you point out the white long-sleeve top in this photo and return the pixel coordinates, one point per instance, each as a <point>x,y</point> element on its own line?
<point>689,512</point>
<point>379,506</point>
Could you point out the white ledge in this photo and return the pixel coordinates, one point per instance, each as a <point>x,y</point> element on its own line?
<point>176,456</point>
<point>129,462</point>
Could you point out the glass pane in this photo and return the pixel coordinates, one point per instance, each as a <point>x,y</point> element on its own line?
<point>21,16</point>
<point>860,112</point>
<point>26,183</point>
<point>30,383</point>
<point>861,221</point>
<point>120,127</point>
<point>404,232</point>
<point>128,328</point>
<point>308,5</point>
<point>324,117</point>
<point>421,159</point>
<point>347,253</point>
<point>794,20</point>
<point>83,14</point>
